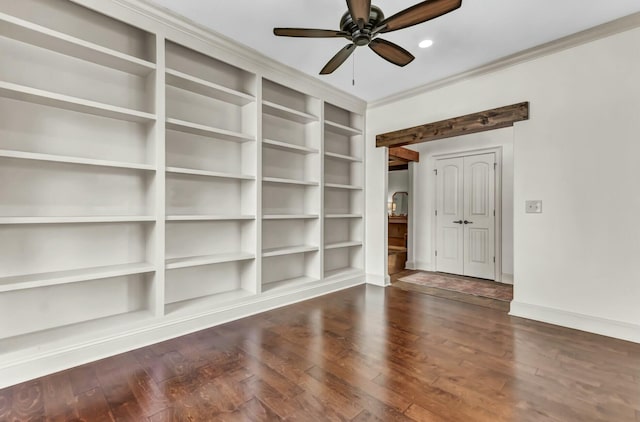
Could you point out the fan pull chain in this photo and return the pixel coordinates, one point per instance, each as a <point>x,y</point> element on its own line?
<point>353,80</point>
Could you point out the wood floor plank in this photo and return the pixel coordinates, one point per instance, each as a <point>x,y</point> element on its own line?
<point>362,354</point>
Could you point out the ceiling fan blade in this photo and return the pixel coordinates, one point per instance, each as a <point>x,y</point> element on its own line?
<point>419,13</point>
<point>338,59</point>
<point>391,52</point>
<point>309,33</point>
<point>359,11</point>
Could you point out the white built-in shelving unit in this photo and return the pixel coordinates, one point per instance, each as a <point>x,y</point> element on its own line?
<point>151,179</point>
<point>343,192</point>
<point>291,193</point>
<point>210,181</point>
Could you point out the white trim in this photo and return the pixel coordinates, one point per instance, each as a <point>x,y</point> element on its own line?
<point>507,278</point>
<point>37,365</point>
<point>617,26</point>
<point>606,327</point>
<point>497,151</point>
<point>378,280</point>
<point>423,266</point>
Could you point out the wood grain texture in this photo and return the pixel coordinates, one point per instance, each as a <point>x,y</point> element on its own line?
<point>496,118</point>
<point>403,154</point>
<point>363,354</point>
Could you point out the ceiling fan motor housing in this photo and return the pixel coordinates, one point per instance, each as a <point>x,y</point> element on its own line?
<point>361,37</point>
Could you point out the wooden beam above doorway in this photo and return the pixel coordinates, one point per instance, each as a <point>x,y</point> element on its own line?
<point>403,154</point>
<point>496,118</point>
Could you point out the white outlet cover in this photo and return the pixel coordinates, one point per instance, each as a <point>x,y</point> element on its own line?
<point>533,206</point>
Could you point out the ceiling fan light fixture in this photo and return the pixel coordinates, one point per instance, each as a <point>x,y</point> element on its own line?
<point>363,22</point>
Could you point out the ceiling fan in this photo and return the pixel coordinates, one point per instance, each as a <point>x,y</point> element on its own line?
<point>363,22</point>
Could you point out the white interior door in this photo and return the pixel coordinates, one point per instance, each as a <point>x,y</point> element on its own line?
<point>479,218</point>
<point>450,216</point>
<point>465,222</point>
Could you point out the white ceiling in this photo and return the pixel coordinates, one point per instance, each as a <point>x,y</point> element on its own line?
<point>479,32</point>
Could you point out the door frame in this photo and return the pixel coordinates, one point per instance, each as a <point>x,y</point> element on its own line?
<point>498,202</point>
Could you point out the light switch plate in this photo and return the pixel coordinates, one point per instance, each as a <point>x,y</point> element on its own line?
<point>533,207</point>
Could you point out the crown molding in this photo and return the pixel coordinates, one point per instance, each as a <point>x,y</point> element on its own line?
<point>617,26</point>
<point>260,63</point>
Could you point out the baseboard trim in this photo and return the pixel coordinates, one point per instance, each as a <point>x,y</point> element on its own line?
<point>378,280</point>
<point>591,324</point>
<point>48,362</point>
<point>410,265</point>
<point>423,266</point>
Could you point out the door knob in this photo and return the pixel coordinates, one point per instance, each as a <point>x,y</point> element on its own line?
<point>458,222</point>
<point>467,222</point>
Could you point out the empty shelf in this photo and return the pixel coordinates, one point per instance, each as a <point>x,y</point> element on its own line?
<point>194,261</point>
<point>209,89</point>
<point>206,304</point>
<point>343,215</point>
<point>208,131</point>
<point>289,216</point>
<point>73,160</point>
<point>51,99</point>
<point>341,129</point>
<point>283,112</point>
<point>29,281</point>
<point>288,250</point>
<point>286,146</point>
<point>289,181</point>
<point>339,186</point>
<point>206,173</point>
<point>79,333</point>
<point>346,272</point>
<point>74,220</point>
<point>49,39</point>
<point>286,284</point>
<point>342,157</point>
<point>209,217</point>
<point>337,245</point>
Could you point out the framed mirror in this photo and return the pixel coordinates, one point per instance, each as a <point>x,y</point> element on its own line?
<point>400,203</point>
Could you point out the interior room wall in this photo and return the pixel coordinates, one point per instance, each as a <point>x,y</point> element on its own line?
<point>574,264</point>
<point>398,182</point>
<point>425,200</point>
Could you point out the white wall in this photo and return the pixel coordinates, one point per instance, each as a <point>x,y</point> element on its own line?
<point>398,182</point>
<point>576,263</point>
<point>425,187</point>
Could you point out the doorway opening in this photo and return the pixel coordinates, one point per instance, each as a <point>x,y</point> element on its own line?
<point>399,196</point>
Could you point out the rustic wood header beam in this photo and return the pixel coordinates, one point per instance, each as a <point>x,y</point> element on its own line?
<point>496,118</point>
<point>395,163</point>
<point>404,154</point>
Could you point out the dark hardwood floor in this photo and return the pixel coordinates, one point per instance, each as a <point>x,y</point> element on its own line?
<point>362,354</point>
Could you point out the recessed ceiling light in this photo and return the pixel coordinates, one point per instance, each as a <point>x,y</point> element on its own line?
<point>425,44</point>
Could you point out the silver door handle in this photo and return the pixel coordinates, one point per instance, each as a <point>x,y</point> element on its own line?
<point>467,222</point>
<point>457,222</point>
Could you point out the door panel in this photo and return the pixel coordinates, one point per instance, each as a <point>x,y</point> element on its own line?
<point>466,193</point>
<point>479,205</point>
<point>450,196</point>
